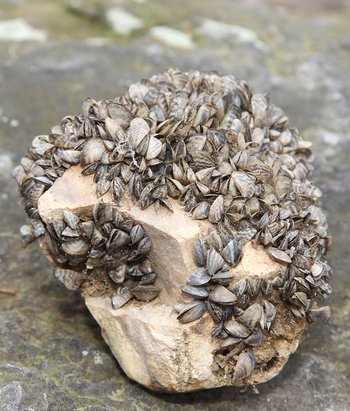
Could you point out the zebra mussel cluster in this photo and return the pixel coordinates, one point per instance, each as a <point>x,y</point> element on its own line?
<point>229,157</point>
<point>106,244</point>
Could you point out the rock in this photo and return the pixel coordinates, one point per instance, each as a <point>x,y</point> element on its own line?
<point>20,30</point>
<point>163,355</point>
<point>329,138</point>
<point>122,22</point>
<point>219,31</point>
<point>6,163</point>
<point>10,396</point>
<point>172,38</point>
<point>150,344</point>
<point>90,9</point>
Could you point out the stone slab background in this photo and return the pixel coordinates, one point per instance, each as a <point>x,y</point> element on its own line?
<point>53,54</point>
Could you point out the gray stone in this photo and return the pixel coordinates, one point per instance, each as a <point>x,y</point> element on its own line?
<point>6,163</point>
<point>47,337</point>
<point>332,139</point>
<point>122,22</point>
<point>20,30</point>
<point>171,37</point>
<point>218,31</point>
<point>10,396</point>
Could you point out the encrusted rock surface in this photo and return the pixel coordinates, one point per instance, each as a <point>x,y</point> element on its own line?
<point>150,344</point>
<point>203,144</point>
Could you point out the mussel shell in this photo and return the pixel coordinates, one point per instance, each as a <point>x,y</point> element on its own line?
<point>192,311</point>
<point>118,275</point>
<point>251,316</point>
<point>199,253</point>
<point>245,365</point>
<point>71,219</point>
<point>71,279</point>
<point>121,298</point>
<point>196,292</point>
<point>237,330</point>
<point>222,295</point>
<point>232,253</point>
<point>145,292</point>
<point>199,277</point>
<point>279,255</point>
<point>216,210</point>
<point>320,315</point>
<point>214,261</point>
<point>76,247</point>
<point>92,151</point>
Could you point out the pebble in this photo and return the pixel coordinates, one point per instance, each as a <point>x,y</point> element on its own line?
<point>331,139</point>
<point>172,37</point>
<point>122,22</point>
<point>6,163</point>
<point>11,396</point>
<point>98,41</point>
<point>98,358</point>
<point>20,30</point>
<point>219,31</point>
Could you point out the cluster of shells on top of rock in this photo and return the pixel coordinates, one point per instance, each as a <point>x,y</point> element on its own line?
<point>228,156</point>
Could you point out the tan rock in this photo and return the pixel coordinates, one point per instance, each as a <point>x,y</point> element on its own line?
<point>150,344</point>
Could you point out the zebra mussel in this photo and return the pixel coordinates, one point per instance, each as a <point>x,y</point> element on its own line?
<point>228,156</point>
